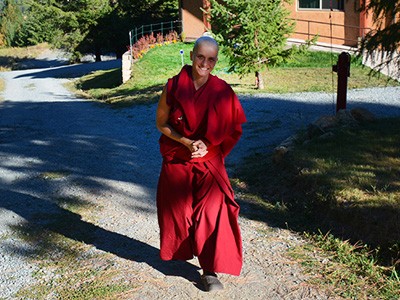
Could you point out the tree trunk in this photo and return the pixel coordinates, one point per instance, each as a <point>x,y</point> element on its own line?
<point>259,81</point>
<point>98,57</point>
<point>98,54</point>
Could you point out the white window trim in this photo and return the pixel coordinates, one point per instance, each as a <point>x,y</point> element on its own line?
<point>317,9</point>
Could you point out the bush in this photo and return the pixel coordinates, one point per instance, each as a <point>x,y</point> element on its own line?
<point>147,42</point>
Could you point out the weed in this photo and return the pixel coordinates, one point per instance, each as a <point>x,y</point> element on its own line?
<point>350,270</point>
<point>54,175</point>
<point>351,191</point>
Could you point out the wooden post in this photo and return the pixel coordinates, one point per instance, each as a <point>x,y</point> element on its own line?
<point>342,68</point>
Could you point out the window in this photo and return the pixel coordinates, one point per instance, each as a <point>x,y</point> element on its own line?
<point>321,4</point>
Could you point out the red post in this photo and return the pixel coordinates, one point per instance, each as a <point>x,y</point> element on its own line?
<point>343,69</point>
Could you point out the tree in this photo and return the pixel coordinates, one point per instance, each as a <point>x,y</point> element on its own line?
<point>253,33</point>
<point>80,26</point>
<point>129,14</point>
<point>109,31</point>
<point>10,21</point>
<point>385,38</point>
<point>39,23</point>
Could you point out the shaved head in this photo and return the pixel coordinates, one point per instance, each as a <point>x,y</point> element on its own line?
<point>204,57</point>
<point>205,40</point>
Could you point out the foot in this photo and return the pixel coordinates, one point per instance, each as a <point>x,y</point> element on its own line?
<point>211,282</point>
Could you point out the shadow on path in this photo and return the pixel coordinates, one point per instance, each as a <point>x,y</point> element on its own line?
<point>73,71</point>
<point>34,63</point>
<point>99,146</point>
<point>70,225</point>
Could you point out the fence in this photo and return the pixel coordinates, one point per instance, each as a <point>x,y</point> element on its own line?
<point>163,28</point>
<point>330,31</point>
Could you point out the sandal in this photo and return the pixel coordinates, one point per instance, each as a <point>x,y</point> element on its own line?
<point>211,283</point>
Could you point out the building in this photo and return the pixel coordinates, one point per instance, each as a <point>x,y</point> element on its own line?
<point>341,24</point>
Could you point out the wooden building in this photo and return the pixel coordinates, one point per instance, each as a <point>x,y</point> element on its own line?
<point>341,24</point>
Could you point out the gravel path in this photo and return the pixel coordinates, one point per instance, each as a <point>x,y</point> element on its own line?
<point>109,158</point>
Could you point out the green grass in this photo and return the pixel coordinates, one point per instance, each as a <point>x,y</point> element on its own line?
<point>305,71</point>
<point>343,192</point>
<point>349,271</point>
<point>54,175</point>
<point>315,59</point>
<point>149,75</point>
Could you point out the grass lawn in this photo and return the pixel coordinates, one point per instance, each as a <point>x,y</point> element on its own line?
<point>305,72</point>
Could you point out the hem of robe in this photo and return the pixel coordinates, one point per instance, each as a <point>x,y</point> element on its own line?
<point>215,270</point>
<point>232,207</point>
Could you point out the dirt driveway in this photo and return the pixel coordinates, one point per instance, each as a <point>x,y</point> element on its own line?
<point>59,153</point>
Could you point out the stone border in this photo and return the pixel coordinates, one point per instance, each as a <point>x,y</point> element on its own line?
<point>126,66</point>
<point>322,128</point>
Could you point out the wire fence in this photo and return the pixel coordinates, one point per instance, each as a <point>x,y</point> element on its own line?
<point>347,34</point>
<point>162,28</point>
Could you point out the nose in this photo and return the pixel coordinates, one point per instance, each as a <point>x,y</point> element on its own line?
<point>203,63</point>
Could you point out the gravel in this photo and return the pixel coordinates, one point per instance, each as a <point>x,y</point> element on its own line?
<point>273,118</point>
<point>55,146</point>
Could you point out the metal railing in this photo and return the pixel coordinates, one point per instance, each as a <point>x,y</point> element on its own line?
<point>312,31</point>
<point>163,28</point>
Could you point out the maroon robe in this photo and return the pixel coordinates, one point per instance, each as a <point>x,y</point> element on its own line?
<point>197,213</point>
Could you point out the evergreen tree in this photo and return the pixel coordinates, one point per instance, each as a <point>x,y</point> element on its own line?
<point>386,35</point>
<point>253,33</point>
<point>100,26</point>
<point>80,26</point>
<point>77,25</point>
<point>128,14</point>
<point>39,23</point>
<point>11,20</point>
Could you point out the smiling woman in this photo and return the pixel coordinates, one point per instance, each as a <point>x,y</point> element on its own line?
<point>200,119</point>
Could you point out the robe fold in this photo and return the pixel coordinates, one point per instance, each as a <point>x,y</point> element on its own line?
<point>197,213</point>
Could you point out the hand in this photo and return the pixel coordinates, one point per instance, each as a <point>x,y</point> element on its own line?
<point>199,149</point>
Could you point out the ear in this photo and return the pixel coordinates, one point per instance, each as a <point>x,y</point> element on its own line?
<point>191,55</point>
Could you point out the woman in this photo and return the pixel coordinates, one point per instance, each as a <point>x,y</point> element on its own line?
<point>200,119</point>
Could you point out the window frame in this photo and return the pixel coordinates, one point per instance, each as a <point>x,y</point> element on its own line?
<point>320,7</point>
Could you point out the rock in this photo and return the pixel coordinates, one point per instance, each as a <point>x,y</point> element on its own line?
<point>288,143</point>
<point>326,135</point>
<point>314,130</point>
<point>279,153</point>
<point>362,115</point>
<point>322,128</point>
<point>326,122</point>
<point>284,147</point>
<point>344,117</point>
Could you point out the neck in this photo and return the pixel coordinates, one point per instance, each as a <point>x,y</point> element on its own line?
<point>199,81</point>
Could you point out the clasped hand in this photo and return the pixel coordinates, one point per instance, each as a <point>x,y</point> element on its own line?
<point>198,149</point>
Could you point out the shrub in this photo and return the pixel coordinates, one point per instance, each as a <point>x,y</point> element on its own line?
<point>147,42</point>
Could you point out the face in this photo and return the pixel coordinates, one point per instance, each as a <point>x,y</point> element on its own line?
<point>204,59</point>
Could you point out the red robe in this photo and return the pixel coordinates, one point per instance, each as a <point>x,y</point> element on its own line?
<point>197,213</point>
